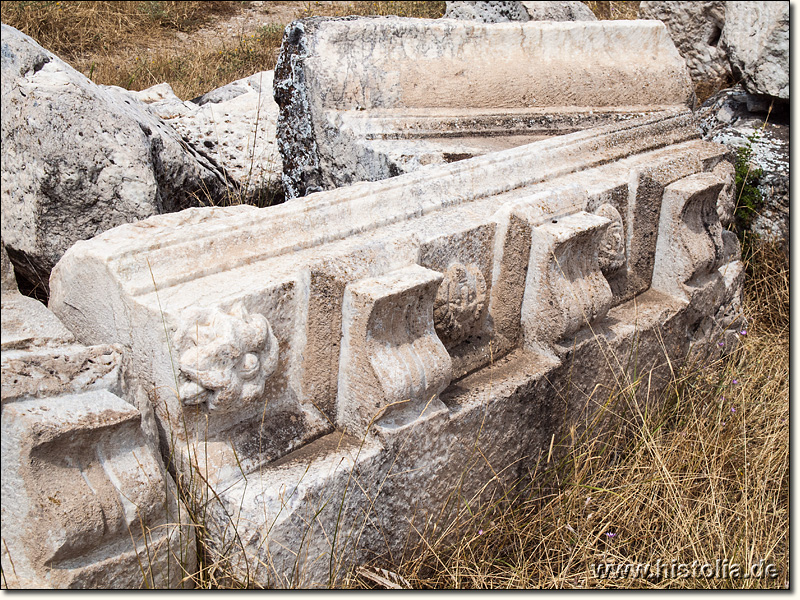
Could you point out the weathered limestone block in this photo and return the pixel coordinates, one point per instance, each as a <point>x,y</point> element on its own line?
<point>419,291</point>
<point>233,126</point>
<point>393,366</point>
<point>723,41</point>
<point>569,10</point>
<point>487,12</point>
<point>86,502</point>
<point>690,235</point>
<point>368,99</point>
<point>565,290</point>
<point>79,159</point>
<point>696,28</point>
<point>756,38</point>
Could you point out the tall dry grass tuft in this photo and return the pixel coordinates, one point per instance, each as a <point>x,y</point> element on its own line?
<point>704,478</point>
<point>73,28</point>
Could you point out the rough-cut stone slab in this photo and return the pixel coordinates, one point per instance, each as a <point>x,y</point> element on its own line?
<point>756,38</point>
<point>233,126</point>
<point>241,318</point>
<point>367,99</point>
<point>79,158</point>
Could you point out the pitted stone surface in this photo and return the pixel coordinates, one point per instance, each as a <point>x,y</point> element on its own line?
<point>233,126</point>
<point>487,12</point>
<point>559,11</point>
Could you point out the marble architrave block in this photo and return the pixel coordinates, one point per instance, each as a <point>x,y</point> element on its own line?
<point>690,243</point>
<point>381,300</point>
<point>393,366</point>
<point>200,298</point>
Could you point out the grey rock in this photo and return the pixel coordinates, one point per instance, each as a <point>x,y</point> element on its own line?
<point>233,126</point>
<point>756,38</point>
<point>79,158</point>
<point>559,11</point>
<point>487,12</point>
<point>7,278</point>
<point>735,118</point>
<point>696,28</point>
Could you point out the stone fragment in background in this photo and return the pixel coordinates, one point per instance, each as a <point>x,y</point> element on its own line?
<point>418,92</point>
<point>756,38</point>
<point>487,12</point>
<point>696,29</point>
<point>79,158</point>
<point>233,126</point>
<point>559,11</point>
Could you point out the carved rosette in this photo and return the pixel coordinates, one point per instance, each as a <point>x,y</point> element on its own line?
<point>612,247</point>
<point>224,357</point>
<point>460,303</point>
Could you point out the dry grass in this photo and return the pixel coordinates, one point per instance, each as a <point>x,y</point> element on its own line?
<point>614,10</point>
<point>705,478</point>
<point>139,44</point>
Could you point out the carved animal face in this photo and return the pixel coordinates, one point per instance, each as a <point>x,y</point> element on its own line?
<point>225,357</point>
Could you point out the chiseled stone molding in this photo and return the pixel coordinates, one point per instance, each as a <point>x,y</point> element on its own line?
<point>382,329</point>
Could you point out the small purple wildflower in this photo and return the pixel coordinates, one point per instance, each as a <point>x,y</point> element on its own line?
<point>735,382</point>
<point>480,531</point>
<point>720,344</point>
<point>610,534</point>
<point>733,409</point>
<point>743,332</point>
